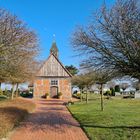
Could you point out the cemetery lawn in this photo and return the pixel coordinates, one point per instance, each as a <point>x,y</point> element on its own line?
<point>120,119</point>
<point>12,112</point>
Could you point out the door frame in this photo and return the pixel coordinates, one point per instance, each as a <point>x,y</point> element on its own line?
<point>50,91</point>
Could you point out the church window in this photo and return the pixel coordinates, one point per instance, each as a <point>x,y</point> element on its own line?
<point>54,82</point>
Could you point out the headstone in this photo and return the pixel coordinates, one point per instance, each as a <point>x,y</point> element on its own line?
<point>117,93</point>
<point>137,94</point>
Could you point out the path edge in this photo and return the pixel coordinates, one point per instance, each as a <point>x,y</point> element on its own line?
<point>67,106</point>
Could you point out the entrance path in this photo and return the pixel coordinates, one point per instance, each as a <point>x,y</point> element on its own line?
<point>50,121</point>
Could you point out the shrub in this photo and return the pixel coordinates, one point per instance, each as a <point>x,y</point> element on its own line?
<point>112,91</point>
<point>45,95</point>
<point>108,93</point>
<point>75,96</point>
<point>26,94</point>
<point>70,103</point>
<point>78,94</point>
<point>60,94</point>
<point>117,88</point>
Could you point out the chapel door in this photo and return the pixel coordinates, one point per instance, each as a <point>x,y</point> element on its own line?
<point>54,92</point>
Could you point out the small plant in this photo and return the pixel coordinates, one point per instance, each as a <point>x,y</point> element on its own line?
<point>70,103</point>
<point>47,94</point>
<point>112,91</point>
<point>78,94</point>
<point>59,94</point>
<point>26,93</point>
<point>107,93</point>
<point>117,88</point>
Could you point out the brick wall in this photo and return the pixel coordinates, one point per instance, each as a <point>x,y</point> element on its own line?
<point>42,86</point>
<point>65,88</point>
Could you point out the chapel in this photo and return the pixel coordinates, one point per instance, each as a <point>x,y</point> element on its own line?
<point>53,77</point>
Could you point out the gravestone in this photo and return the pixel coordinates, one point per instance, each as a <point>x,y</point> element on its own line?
<point>137,94</point>
<point>117,93</point>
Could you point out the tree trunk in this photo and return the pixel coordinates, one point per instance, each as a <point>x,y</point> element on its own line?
<point>0,85</point>
<point>12,96</point>
<point>17,89</point>
<point>86,96</point>
<point>81,95</point>
<point>101,92</point>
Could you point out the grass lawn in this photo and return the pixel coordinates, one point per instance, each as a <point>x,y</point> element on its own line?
<point>120,119</point>
<point>12,112</point>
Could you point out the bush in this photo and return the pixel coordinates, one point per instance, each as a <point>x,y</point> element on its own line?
<point>45,95</point>
<point>78,95</point>
<point>75,96</point>
<point>112,91</point>
<point>107,93</point>
<point>60,94</point>
<point>26,94</point>
<point>117,88</point>
<point>70,103</point>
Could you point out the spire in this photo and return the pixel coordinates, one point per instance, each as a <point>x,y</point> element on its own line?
<point>54,49</point>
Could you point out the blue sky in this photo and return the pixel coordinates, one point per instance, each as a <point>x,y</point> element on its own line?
<point>59,17</point>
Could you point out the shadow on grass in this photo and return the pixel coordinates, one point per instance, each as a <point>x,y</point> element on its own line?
<point>10,117</point>
<point>13,112</point>
<point>111,127</point>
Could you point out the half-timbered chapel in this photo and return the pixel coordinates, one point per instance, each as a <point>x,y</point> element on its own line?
<point>53,77</point>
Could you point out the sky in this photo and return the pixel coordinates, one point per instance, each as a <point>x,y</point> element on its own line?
<point>59,17</point>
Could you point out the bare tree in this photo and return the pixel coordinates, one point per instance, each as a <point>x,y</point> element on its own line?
<point>102,76</point>
<point>112,40</point>
<point>18,50</point>
<point>78,81</point>
<point>84,81</point>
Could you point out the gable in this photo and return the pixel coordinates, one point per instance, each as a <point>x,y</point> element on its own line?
<point>53,68</point>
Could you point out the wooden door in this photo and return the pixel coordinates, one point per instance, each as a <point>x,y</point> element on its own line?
<point>53,92</point>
